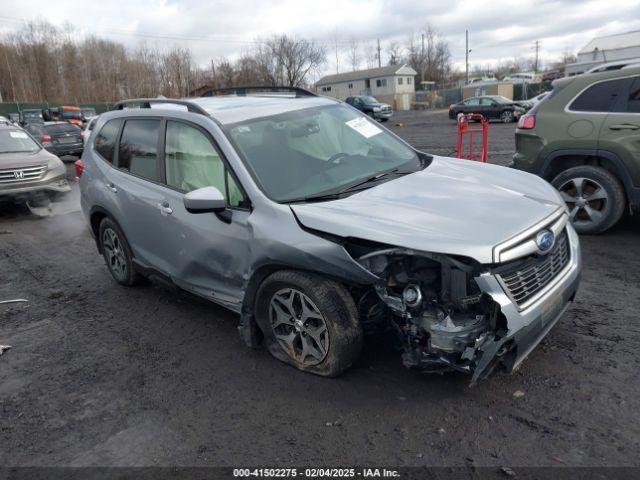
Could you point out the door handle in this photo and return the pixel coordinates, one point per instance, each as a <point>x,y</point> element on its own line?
<point>165,209</point>
<point>624,126</point>
<point>113,188</point>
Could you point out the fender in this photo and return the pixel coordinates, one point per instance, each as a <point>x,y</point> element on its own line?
<point>620,169</point>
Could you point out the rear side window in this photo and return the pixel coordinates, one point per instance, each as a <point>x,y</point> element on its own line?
<point>599,97</point>
<point>105,142</point>
<point>633,103</point>
<point>138,152</point>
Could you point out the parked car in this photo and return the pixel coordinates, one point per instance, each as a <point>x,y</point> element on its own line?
<point>491,106</point>
<point>482,80</point>
<point>522,77</point>
<point>617,65</point>
<point>60,138</point>
<point>372,107</point>
<point>27,171</point>
<point>87,113</point>
<point>88,128</point>
<point>524,104</point>
<point>15,118</point>
<point>552,75</point>
<point>583,138</point>
<point>31,115</point>
<point>315,224</point>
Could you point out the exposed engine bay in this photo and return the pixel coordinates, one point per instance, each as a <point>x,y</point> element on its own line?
<point>442,318</point>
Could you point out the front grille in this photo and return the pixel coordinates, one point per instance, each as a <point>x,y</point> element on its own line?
<point>23,174</point>
<point>528,277</point>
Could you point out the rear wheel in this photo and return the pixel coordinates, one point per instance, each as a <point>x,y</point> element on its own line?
<point>117,253</point>
<point>309,322</point>
<point>594,196</point>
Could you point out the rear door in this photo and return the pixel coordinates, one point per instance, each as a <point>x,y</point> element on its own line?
<point>620,133</point>
<point>206,253</point>
<point>489,108</point>
<point>588,111</point>
<point>136,189</point>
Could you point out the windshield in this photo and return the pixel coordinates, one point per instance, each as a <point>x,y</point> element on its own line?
<point>15,141</point>
<point>501,99</point>
<point>67,113</point>
<point>308,152</point>
<point>369,100</point>
<point>33,115</point>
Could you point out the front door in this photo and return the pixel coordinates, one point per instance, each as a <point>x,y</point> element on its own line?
<point>208,253</point>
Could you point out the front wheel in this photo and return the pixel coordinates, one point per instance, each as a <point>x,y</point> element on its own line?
<point>309,322</point>
<point>594,196</point>
<point>506,116</point>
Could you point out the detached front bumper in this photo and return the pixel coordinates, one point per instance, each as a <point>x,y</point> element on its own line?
<point>527,327</point>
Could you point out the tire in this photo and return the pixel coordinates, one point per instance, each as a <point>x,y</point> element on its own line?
<point>595,197</point>
<point>329,351</point>
<point>117,253</point>
<point>506,116</point>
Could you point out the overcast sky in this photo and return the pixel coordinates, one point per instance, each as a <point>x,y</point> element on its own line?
<point>213,28</point>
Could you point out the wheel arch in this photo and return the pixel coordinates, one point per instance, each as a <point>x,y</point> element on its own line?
<point>560,160</point>
<point>248,327</point>
<point>96,215</point>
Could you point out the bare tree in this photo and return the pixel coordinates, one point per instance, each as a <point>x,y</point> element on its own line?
<point>354,53</point>
<point>429,55</point>
<point>394,50</point>
<point>371,55</point>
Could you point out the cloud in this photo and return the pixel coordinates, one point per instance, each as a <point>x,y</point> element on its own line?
<point>213,29</point>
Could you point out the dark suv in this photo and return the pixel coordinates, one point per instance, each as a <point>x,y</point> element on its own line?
<point>583,138</point>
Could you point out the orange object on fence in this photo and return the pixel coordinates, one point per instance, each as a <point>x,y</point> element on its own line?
<point>473,125</point>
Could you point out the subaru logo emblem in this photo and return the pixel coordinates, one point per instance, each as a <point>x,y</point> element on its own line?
<point>18,174</point>
<point>545,240</point>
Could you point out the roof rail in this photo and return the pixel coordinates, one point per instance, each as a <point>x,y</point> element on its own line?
<point>147,102</point>
<point>242,91</point>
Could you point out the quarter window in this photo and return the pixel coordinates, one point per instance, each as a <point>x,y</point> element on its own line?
<point>599,97</point>
<point>192,162</point>
<point>105,142</point>
<point>138,151</point>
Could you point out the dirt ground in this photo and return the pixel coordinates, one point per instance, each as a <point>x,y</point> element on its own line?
<point>104,375</point>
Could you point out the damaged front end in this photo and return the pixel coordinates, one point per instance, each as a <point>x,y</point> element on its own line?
<point>449,312</point>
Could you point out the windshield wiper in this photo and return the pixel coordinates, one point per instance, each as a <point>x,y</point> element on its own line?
<point>354,187</point>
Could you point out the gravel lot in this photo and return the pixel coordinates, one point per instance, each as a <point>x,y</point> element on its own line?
<point>104,375</point>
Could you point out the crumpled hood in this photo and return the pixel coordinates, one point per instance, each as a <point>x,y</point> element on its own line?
<point>22,160</point>
<point>453,206</point>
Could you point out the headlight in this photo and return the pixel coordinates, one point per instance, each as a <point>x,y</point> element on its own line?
<point>376,109</point>
<point>54,162</point>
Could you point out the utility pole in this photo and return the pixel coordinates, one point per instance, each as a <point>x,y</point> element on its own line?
<point>466,57</point>
<point>535,67</point>
<point>422,79</point>
<point>379,59</point>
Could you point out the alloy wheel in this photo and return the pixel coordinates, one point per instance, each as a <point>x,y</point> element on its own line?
<point>507,116</point>
<point>114,254</point>
<point>586,200</point>
<point>299,326</point>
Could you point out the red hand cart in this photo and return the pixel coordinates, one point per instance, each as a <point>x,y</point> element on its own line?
<point>472,125</point>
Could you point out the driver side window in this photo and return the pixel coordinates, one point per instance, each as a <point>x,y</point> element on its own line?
<point>192,162</point>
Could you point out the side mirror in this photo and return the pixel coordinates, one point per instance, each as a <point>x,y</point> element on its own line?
<point>203,200</point>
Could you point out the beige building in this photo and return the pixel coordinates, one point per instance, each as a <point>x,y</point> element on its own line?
<point>495,88</point>
<point>394,85</point>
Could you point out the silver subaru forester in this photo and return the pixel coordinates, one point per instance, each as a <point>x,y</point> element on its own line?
<point>317,226</point>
